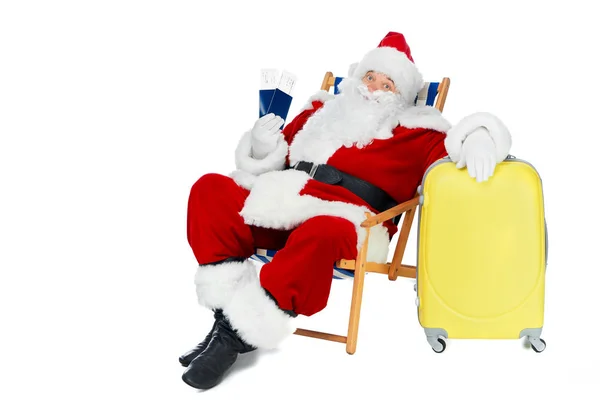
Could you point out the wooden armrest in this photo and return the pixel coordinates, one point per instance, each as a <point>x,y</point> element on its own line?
<point>328,81</point>
<point>390,213</point>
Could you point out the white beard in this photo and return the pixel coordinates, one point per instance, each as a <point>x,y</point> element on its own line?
<point>355,117</point>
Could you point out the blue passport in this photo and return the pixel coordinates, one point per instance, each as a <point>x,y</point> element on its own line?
<point>275,94</point>
<point>264,101</point>
<point>280,104</point>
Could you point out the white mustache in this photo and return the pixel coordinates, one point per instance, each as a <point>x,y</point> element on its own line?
<point>379,96</point>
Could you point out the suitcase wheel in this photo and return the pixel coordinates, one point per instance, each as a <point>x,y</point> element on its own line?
<point>537,344</point>
<point>440,346</point>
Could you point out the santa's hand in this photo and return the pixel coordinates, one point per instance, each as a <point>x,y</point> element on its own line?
<point>266,135</point>
<point>478,153</point>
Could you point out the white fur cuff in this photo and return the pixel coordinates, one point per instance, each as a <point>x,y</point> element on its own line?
<point>497,130</point>
<point>272,162</point>
<point>234,287</point>
<point>256,317</point>
<point>215,284</point>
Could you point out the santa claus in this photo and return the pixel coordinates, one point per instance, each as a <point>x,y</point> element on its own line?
<point>304,191</point>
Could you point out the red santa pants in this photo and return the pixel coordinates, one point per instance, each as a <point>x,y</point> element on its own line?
<point>299,276</point>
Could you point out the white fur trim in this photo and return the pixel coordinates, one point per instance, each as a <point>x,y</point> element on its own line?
<point>273,161</point>
<point>243,178</point>
<point>274,202</point>
<point>321,96</point>
<point>256,317</point>
<point>423,117</point>
<point>235,288</point>
<point>397,66</point>
<point>379,244</point>
<point>456,136</point>
<point>216,284</point>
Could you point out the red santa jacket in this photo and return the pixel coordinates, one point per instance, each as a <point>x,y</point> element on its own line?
<point>283,198</point>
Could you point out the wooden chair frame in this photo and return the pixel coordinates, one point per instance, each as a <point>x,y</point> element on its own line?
<point>360,266</point>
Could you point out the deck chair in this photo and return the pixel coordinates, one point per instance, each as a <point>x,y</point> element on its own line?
<point>432,94</point>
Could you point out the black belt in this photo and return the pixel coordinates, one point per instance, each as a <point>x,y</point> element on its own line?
<point>374,196</point>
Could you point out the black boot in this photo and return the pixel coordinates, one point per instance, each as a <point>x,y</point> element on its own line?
<point>187,358</point>
<point>207,370</point>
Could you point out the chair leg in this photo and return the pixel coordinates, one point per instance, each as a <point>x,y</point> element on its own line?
<point>357,293</point>
<point>401,246</point>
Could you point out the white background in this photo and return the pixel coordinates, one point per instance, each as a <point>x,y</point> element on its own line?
<point>109,112</point>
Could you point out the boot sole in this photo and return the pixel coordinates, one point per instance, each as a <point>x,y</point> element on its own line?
<point>196,385</point>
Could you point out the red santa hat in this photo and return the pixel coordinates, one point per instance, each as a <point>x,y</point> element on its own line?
<point>393,58</point>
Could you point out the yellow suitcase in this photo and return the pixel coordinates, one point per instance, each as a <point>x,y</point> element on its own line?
<point>482,250</point>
